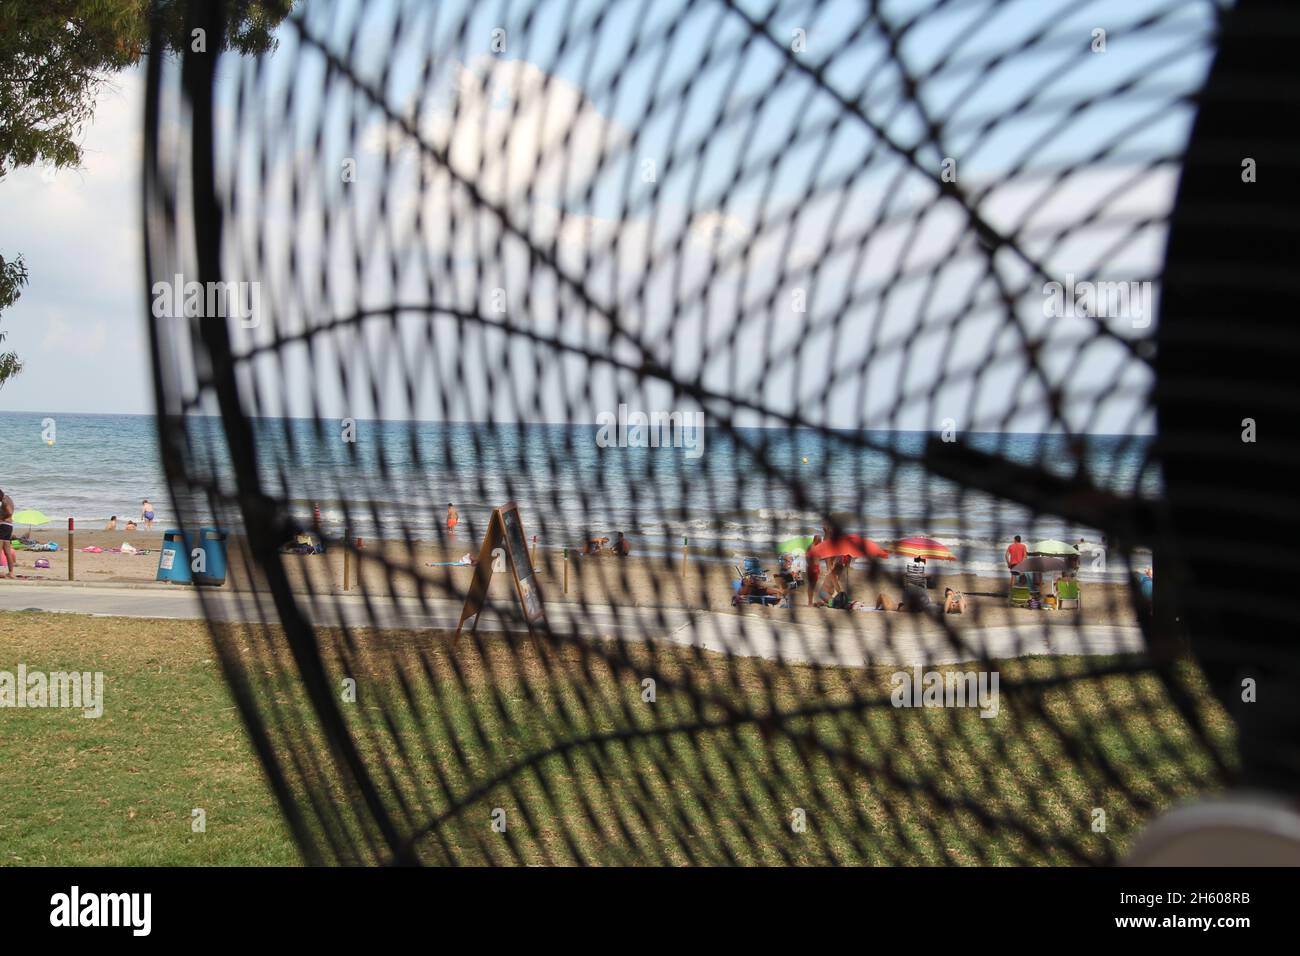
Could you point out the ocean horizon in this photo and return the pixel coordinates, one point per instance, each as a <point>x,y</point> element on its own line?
<point>740,494</point>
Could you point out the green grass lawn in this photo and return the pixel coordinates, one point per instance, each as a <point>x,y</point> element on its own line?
<point>607,780</point>
<point>120,789</point>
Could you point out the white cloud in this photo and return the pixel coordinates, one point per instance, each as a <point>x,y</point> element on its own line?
<point>78,321</point>
<point>87,338</point>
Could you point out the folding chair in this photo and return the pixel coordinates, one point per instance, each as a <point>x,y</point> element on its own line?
<point>1067,595</point>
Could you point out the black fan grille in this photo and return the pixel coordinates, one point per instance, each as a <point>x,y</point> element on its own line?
<point>747,210</point>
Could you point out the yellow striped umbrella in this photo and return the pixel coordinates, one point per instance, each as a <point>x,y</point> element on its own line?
<point>926,548</point>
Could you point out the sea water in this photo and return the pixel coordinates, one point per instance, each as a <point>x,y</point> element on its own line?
<point>747,490</point>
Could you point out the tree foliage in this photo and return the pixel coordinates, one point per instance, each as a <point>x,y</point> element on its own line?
<point>55,55</point>
<point>13,276</point>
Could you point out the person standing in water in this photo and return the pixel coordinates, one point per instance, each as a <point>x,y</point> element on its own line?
<point>453,519</point>
<point>146,513</point>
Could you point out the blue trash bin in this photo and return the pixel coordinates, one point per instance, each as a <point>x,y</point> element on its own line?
<point>174,560</point>
<point>213,543</point>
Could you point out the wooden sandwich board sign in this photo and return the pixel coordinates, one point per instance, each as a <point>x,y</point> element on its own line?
<point>504,544</point>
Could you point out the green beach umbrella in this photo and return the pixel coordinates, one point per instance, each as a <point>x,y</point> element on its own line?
<point>1054,548</point>
<point>794,545</point>
<point>30,517</point>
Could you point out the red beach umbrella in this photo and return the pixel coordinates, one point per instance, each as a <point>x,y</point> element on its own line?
<point>848,545</point>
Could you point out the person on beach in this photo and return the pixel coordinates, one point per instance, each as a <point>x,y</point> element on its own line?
<point>954,602</point>
<point>916,591</point>
<point>1015,554</point>
<point>595,545</point>
<point>146,513</point>
<point>7,532</point>
<point>832,593</point>
<point>1072,560</point>
<point>796,565</point>
<point>813,571</point>
<point>112,524</point>
<point>752,586</point>
<point>453,519</point>
<point>1146,582</point>
<point>130,526</point>
<point>621,546</point>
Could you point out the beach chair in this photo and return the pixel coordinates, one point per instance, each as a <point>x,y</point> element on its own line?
<point>751,569</point>
<point>1067,595</point>
<point>1019,596</point>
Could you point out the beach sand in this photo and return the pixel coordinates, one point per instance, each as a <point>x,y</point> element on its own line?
<point>399,569</point>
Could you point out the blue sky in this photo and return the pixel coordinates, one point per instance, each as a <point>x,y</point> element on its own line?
<point>746,150</point>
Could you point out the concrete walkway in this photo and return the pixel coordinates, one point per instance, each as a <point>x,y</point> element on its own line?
<point>857,638</point>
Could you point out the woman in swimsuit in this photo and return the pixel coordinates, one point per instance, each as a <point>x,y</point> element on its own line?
<point>146,513</point>
<point>814,570</point>
<point>453,518</point>
<point>832,586</point>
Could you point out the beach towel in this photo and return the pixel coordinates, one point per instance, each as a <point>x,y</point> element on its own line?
<point>93,550</point>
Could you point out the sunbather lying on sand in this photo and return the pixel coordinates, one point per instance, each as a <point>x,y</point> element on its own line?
<point>954,602</point>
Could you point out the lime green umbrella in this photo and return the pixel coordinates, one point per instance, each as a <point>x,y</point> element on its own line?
<point>1054,548</point>
<point>794,545</point>
<point>30,517</point>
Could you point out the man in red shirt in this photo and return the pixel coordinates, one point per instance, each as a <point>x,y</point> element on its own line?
<point>1015,554</point>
